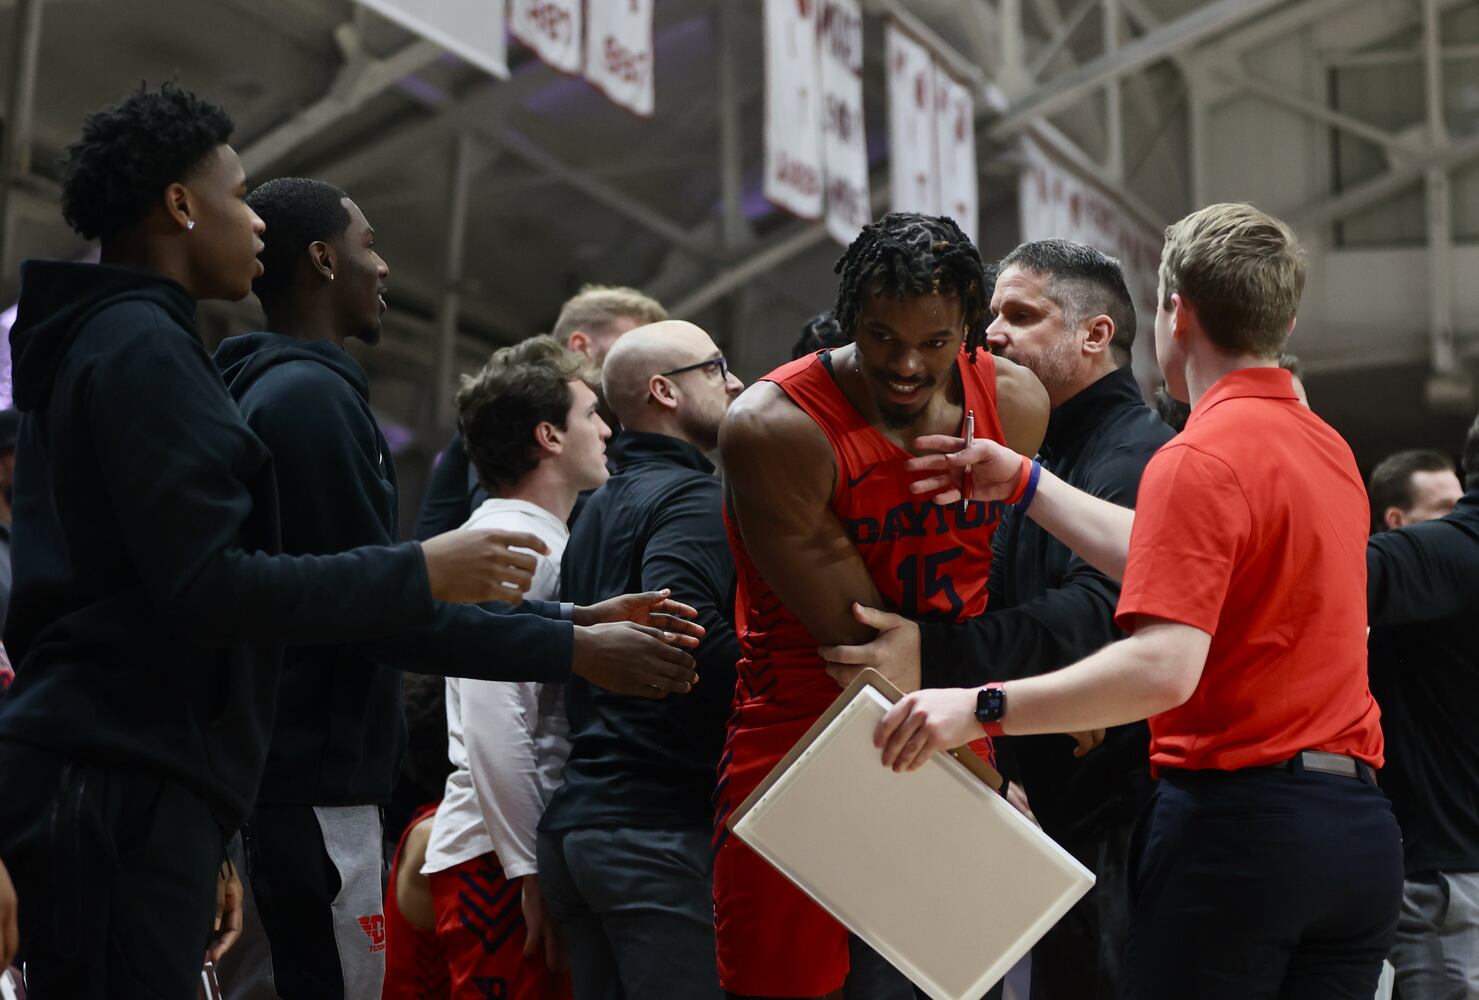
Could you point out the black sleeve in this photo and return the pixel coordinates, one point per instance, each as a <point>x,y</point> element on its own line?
<point>1070,621</point>
<point>1424,572</point>
<point>447,504</point>
<point>173,464</point>
<point>466,640</point>
<point>327,460</point>
<point>688,551</point>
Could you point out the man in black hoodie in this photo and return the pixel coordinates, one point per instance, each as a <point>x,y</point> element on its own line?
<point>150,600</point>
<point>312,842</point>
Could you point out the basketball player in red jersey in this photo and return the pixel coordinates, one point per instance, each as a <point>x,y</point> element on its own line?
<point>821,516</point>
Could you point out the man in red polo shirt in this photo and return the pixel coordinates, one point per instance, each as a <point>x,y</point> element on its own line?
<point>1268,864</point>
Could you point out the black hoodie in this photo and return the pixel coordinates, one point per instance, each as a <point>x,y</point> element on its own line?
<point>149,605</point>
<point>340,731</point>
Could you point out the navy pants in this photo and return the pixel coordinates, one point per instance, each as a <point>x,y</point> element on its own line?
<point>1263,883</point>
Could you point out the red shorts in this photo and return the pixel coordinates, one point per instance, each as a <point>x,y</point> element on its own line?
<point>480,920</point>
<point>772,939</point>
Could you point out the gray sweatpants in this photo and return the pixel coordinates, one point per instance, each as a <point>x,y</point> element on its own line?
<point>1437,951</point>
<point>314,921</point>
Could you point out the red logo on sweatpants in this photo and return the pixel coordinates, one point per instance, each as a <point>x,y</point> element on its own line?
<point>374,928</point>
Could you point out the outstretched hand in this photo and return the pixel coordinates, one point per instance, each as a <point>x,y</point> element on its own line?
<point>654,608</point>
<point>994,469</point>
<point>627,658</point>
<point>473,565</point>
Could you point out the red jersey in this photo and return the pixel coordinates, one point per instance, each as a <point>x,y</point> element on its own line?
<point>928,561</point>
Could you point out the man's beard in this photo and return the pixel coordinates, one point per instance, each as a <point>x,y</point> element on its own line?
<point>701,428</point>
<point>1053,366</point>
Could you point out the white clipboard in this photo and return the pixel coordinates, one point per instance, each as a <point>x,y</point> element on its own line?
<point>933,869</point>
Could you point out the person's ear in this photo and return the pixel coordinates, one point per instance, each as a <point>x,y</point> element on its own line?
<point>179,206</point>
<point>581,343</point>
<point>321,257</point>
<point>1393,518</point>
<point>549,437</point>
<point>660,390</point>
<point>1181,322</point>
<point>1100,334</point>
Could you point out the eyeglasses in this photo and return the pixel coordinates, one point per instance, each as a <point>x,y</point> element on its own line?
<point>720,364</point>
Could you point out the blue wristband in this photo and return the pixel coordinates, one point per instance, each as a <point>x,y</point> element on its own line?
<point>1031,490</point>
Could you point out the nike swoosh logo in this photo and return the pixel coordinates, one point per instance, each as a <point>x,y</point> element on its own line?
<point>852,483</point>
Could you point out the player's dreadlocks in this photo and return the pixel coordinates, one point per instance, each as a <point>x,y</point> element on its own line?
<point>904,253</point>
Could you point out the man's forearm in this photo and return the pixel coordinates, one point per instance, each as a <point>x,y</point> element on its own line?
<point>1151,672</point>
<point>1099,531</point>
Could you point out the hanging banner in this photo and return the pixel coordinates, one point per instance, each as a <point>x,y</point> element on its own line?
<point>1058,203</point>
<point>844,147</point>
<point>618,52</point>
<point>955,151</point>
<point>913,174</point>
<point>552,28</point>
<point>793,108</point>
<point>471,29</point>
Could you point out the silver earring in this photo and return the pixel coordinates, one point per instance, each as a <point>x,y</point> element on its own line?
<point>331,276</point>
<point>190,224</point>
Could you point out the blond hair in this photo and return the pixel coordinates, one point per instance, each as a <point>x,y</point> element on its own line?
<point>1242,270</point>
<point>596,308</point>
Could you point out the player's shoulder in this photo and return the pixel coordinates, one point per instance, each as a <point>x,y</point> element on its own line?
<point>763,411</point>
<point>765,429</point>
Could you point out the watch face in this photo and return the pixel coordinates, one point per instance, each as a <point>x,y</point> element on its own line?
<point>991,704</point>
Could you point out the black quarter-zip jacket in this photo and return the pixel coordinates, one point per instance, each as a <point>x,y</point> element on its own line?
<point>340,731</point>
<point>150,602</point>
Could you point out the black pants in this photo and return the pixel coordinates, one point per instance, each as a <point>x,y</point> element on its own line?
<point>636,908</point>
<point>115,872</point>
<point>1263,883</point>
<point>1083,956</point>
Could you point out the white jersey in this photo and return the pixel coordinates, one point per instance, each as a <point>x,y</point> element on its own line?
<point>507,740</point>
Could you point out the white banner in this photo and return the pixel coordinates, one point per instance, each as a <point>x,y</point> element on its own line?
<point>551,28</point>
<point>1058,203</point>
<point>472,29</point>
<point>618,52</point>
<point>955,151</point>
<point>844,146</point>
<point>793,107</point>
<point>913,174</point>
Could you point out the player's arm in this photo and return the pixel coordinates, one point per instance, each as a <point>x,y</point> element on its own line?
<point>1022,406</point>
<point>780,473</point>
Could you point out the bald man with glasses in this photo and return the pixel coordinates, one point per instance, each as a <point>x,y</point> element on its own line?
<point>624,852</point>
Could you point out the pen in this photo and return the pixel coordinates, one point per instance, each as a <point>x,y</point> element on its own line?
<point>965,476</point>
